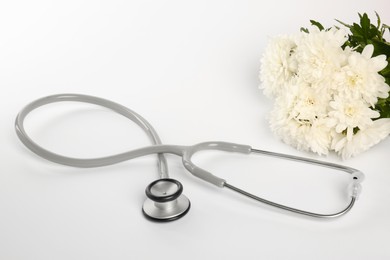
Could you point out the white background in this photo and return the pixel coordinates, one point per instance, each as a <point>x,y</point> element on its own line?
<point>191,69</point>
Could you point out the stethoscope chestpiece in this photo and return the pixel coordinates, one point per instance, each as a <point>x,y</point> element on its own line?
<point>165,201</point>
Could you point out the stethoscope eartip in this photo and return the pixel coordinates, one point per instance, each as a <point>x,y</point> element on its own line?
<point>165,201</point>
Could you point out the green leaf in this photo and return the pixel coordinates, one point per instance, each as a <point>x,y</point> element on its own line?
<point>378,21</point>
<point>356,30</point>
<point>383,107</point>
<point>365,24</point>
<point>384,27</point>
<point>387,81</point>
<point>385,72</point>
<point>365,32</point>
<point>304,30</point>
<point>315,23</point>
<point>346,25</point>
<point>381,47</point>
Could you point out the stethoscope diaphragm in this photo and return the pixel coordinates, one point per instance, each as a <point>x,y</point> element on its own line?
<point>165,201</point>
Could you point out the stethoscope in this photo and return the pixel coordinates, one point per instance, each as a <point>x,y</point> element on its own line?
<point>165,201</point>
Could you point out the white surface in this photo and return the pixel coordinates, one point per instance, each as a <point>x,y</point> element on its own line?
<point>190,68</point>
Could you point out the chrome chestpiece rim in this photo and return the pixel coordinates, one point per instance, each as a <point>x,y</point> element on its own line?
<point>165,201</point>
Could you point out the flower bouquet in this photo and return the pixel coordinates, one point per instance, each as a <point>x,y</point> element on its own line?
<point>330,87</point>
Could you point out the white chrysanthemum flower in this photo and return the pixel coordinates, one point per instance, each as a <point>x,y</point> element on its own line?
<point>362,140</point>
<point>360,77</point>
<point>324,94</point>
<point>349,115</point>
<point>278,65</point>
<point>319,55</point>
<point>299,119</point>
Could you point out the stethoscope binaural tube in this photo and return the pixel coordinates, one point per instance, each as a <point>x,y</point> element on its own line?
<point>186,152</point>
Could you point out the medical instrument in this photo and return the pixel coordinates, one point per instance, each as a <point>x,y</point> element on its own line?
<point>165,201</point>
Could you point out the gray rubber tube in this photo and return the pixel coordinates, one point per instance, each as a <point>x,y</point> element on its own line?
<point>103,161</point>
<point>184,151</point>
